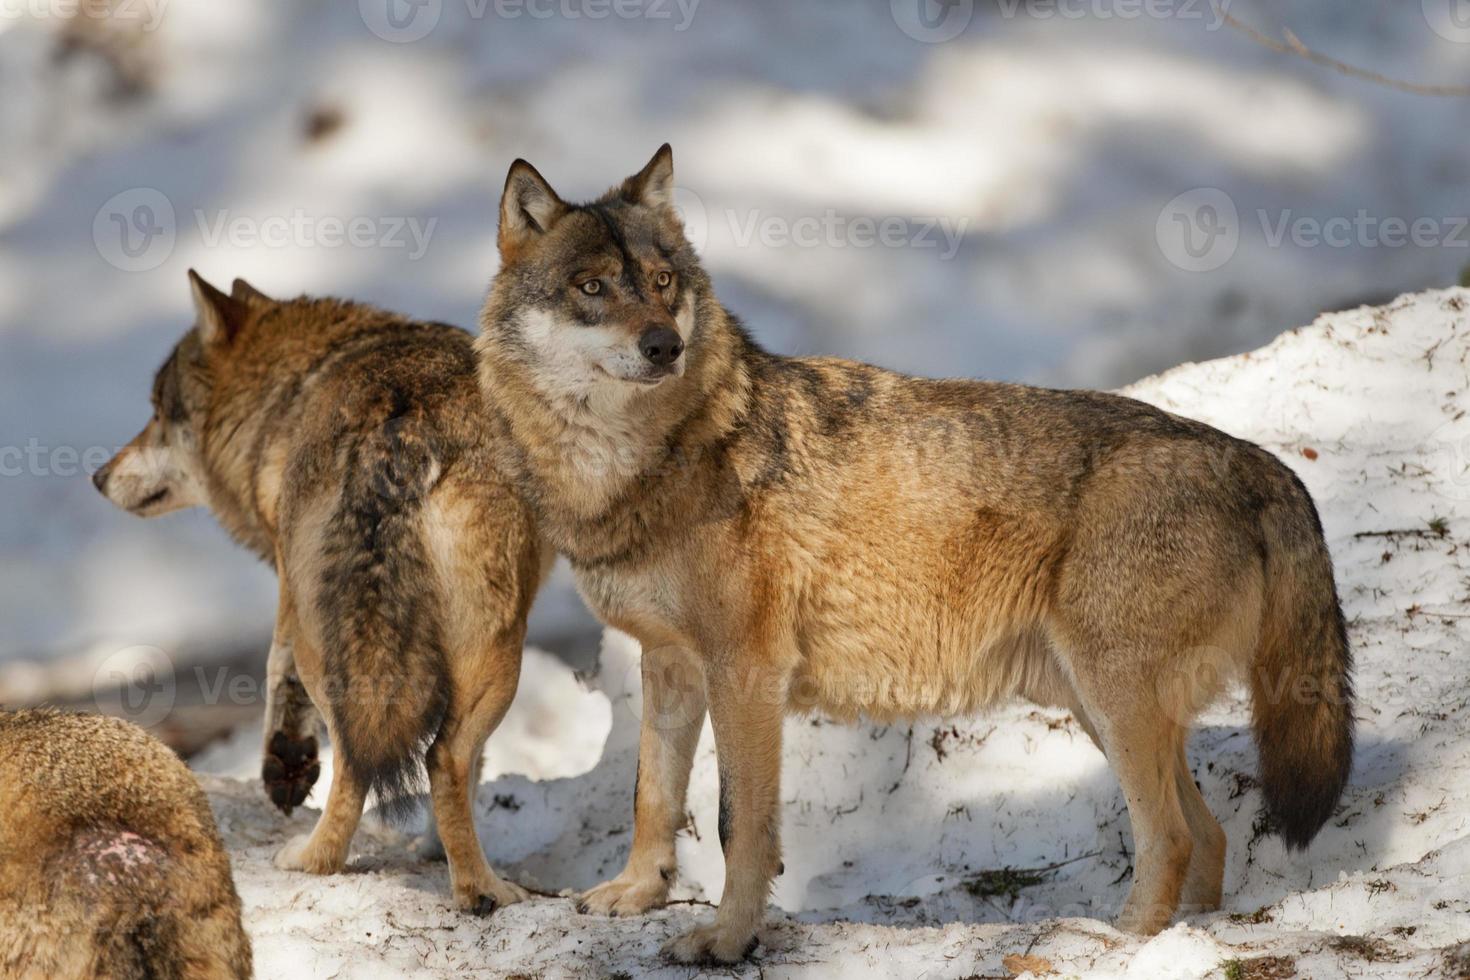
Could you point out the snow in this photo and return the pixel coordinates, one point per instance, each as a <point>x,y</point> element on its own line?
<point>906,847</point>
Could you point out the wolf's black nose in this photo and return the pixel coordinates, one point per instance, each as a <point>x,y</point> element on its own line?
<point>99,478</point>
<point>661,345</point>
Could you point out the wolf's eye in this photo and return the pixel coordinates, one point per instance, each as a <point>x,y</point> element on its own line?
<point>592,287</point>
<point>664,279</point>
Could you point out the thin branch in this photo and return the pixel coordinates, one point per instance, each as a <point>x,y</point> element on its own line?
<point>1294,46</point>
<point>1406,532</point>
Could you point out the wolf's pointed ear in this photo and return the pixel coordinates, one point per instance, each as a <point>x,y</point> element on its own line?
<point>219,317</point>
<point>243,292</point>
<point>528,207</point>
<point>653,186</point>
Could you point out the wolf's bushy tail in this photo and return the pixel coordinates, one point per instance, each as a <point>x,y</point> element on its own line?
<point>1301,688</point>
<point>384,647</point>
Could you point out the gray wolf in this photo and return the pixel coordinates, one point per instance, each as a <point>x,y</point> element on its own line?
<point>110,862</point>
<point>346,446</point>
<point>813,534</point>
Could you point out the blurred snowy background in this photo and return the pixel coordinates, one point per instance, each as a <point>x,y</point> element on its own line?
<point>1076,192</point>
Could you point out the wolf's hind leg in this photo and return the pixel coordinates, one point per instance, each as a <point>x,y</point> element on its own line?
<point>325,850</point>
<point>1204,884</point>
<point>454,770</point>
<point>289,766</point>
<point>1143,744</point>
<point>673,715</point>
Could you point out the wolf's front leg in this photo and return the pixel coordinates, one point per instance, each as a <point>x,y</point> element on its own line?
<point>289,765</point>
<point>747,705</point>
<point>673,714</point>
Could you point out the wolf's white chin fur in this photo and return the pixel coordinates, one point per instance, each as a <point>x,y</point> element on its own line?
<point>586,365</point>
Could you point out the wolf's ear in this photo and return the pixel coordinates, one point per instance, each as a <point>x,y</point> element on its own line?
<point>219,317</point>
<point>653,186</point>
<point>528,207</point>
<point>243,292</point>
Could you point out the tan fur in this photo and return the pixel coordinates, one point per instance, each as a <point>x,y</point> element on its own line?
<point>811,534</point>
<point>347,446</point>
<point>110,863</point>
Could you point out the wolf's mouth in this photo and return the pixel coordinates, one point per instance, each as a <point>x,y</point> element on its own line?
<point>646,381</point>
<point>151,499</point>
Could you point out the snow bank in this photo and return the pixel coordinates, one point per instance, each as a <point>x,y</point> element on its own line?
<point>987,845</point>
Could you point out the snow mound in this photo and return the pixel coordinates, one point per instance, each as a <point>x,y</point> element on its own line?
<point>1001,843</point>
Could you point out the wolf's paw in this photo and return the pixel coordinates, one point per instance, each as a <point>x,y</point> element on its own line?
<point>625,895</point>
<point>299,855</point>
<point>290,769</point>
<point>711,943</point>
<point>1144,920</point>
<point>484,898</point>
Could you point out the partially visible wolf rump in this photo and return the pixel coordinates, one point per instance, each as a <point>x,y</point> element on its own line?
<point>347,447</point>
<point>815,534</point>
<point>110,863</point>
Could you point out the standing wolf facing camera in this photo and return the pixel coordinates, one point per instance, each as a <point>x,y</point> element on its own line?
<point>816,534</point>
<point>347,447</point>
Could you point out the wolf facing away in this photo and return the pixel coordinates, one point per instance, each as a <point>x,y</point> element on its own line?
<point>813,534</point>
<point>347,447</point>
<point>110,862</point>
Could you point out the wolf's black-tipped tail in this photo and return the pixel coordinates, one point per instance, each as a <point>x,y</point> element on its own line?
<point>1302,694</point>
<point>387,674</point>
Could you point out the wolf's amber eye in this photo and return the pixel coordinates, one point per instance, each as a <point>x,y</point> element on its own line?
<point>663,279</point>
<point>591,287</point>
